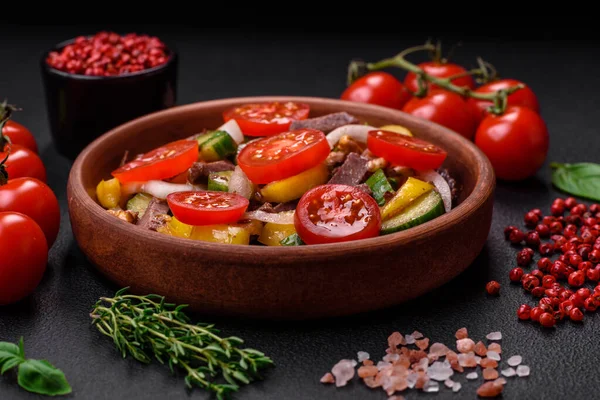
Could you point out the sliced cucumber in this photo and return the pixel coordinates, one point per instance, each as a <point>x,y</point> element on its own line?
<point>139,203</point>
<point>219,181</point>
<point>379,185</point>
<point>425,208</point>
<point>216,145</point>
<point>292,240</point>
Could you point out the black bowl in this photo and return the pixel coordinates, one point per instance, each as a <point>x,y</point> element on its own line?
<point>81,108</point>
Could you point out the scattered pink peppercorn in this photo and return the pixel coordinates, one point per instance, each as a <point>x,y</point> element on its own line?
<point>576,315</point>
<point>570,202</point>
<point>515,274</point>
<point>547,320</point>
<point>524,312</point>
<point>493,288</point>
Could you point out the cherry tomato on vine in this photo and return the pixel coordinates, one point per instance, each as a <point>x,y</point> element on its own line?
<point>266,119</point>
<point>445,108</point>
<point>20,135</point>
<point>207,207</point>
<point>515,142</point>
<point>336,213</point>
<point>523,97</point>
<point>23,162</point>
<point>35,199</point>
<point>161,163</point>
<point>380,88</point>
<point>280,156</point>
<point>439,70</point>
<point>405,150</point>
<point>24,255</point>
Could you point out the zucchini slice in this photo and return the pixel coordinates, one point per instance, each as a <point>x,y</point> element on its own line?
<point>423,209</point>
<point>216,145</point>
<point>379,185</point>
<point>219,181</point>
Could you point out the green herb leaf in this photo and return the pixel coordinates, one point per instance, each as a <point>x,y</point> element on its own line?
<point>10,363</point>
<point>39,376</point>
<point>8,350</point>
<point>578,179</point>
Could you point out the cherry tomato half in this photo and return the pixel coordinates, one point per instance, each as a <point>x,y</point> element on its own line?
<point>24,255</point>
<point>523,97</point>
<point>336,213</point>
<point>35,199</point>
<point>23,162</point>
<point>379,88</point>
<point>515,142</point>
<point>287,154</point>
<point>439,70</point>
<point>161,163</point>
<point>20,135</point>
<point>405,150</point>
<point>207,207</point>
<point>266,119</point>
<point>445,108</point>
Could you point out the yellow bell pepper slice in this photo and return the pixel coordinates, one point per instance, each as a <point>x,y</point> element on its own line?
<point>412,189</point>
<point>109,193</point>
<point>272,233</point>
<point>221,233</point>
<point>398,129</point>
<point>175,227</point>
<point>294,187</point>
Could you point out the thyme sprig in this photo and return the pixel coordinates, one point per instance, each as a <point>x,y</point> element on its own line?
<point>147,327</point>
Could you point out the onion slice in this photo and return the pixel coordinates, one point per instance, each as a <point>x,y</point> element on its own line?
<point>233,129</point>
<point>240,184</point>
<point>284,217</point>
<point>158,189</point>
<point>355,131</point>
<point>440,184</point>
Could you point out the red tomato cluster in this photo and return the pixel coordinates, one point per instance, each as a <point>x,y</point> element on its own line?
<point>515,142</point>
<point>29,214</point>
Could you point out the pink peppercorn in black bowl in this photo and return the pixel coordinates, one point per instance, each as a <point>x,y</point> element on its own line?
<point>82,107</point>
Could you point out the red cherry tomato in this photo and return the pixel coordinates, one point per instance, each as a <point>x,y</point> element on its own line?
<point>522,97</point>
<point>515,142</point>
<point>405,150</point>
<point>287,154</point>
<point>161,163</point>
<point>207,207</point>
<point>20,135</point>
<point>35,199</point>
<point>445,108</point>
<point>439,70</point>
<point>379,88</point>
<point>23,162</point>
<point>23,255</point>
<point>336,213</point>
<point>266,119</point>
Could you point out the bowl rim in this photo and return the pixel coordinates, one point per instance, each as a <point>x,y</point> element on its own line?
<point>483,188</point>
<point>172,59</point>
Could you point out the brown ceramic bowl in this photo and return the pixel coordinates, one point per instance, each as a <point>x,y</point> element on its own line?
<point>279,282</point>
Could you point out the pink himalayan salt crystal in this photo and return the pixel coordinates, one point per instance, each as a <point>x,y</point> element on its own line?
<point>368,362</point>
<point>343,372</point>
<point>396,397</point>
<point>501,381</point>
<point>490,389</point>
<point>391,357</point>
<point>509,372</point>
<point>438,349</point>
<point>394,384</point>
<point>490,374</point>
<point>449,383</point>
<point>367,370</point>
<point>465,345</point>
<point>371,382</point>
<point>515,360</point>
<point>467,360</point>
<point>494,336</point>
<point>417,335</point>
<point>362,356</point>
<point>403,360</point>
<point>328,378</point>
<point>422,379</point>
<point>472,375</point>
<point>410,339</point>
<point>431,387</point>
<point>493,355</point>
<point>462,333</point>
<point>456,387</point>
<point>488,363</point>
<point>495,347</point>
<point>422,344</point>
<point>480,349</point>
<point>396,339</point>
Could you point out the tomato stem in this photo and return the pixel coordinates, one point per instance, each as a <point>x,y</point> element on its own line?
<point>400,61</point>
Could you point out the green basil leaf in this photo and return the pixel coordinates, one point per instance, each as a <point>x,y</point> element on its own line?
<point>39,376</point>
<point>9,364</point>
<point>9,349</point>
<point>578,179</point>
